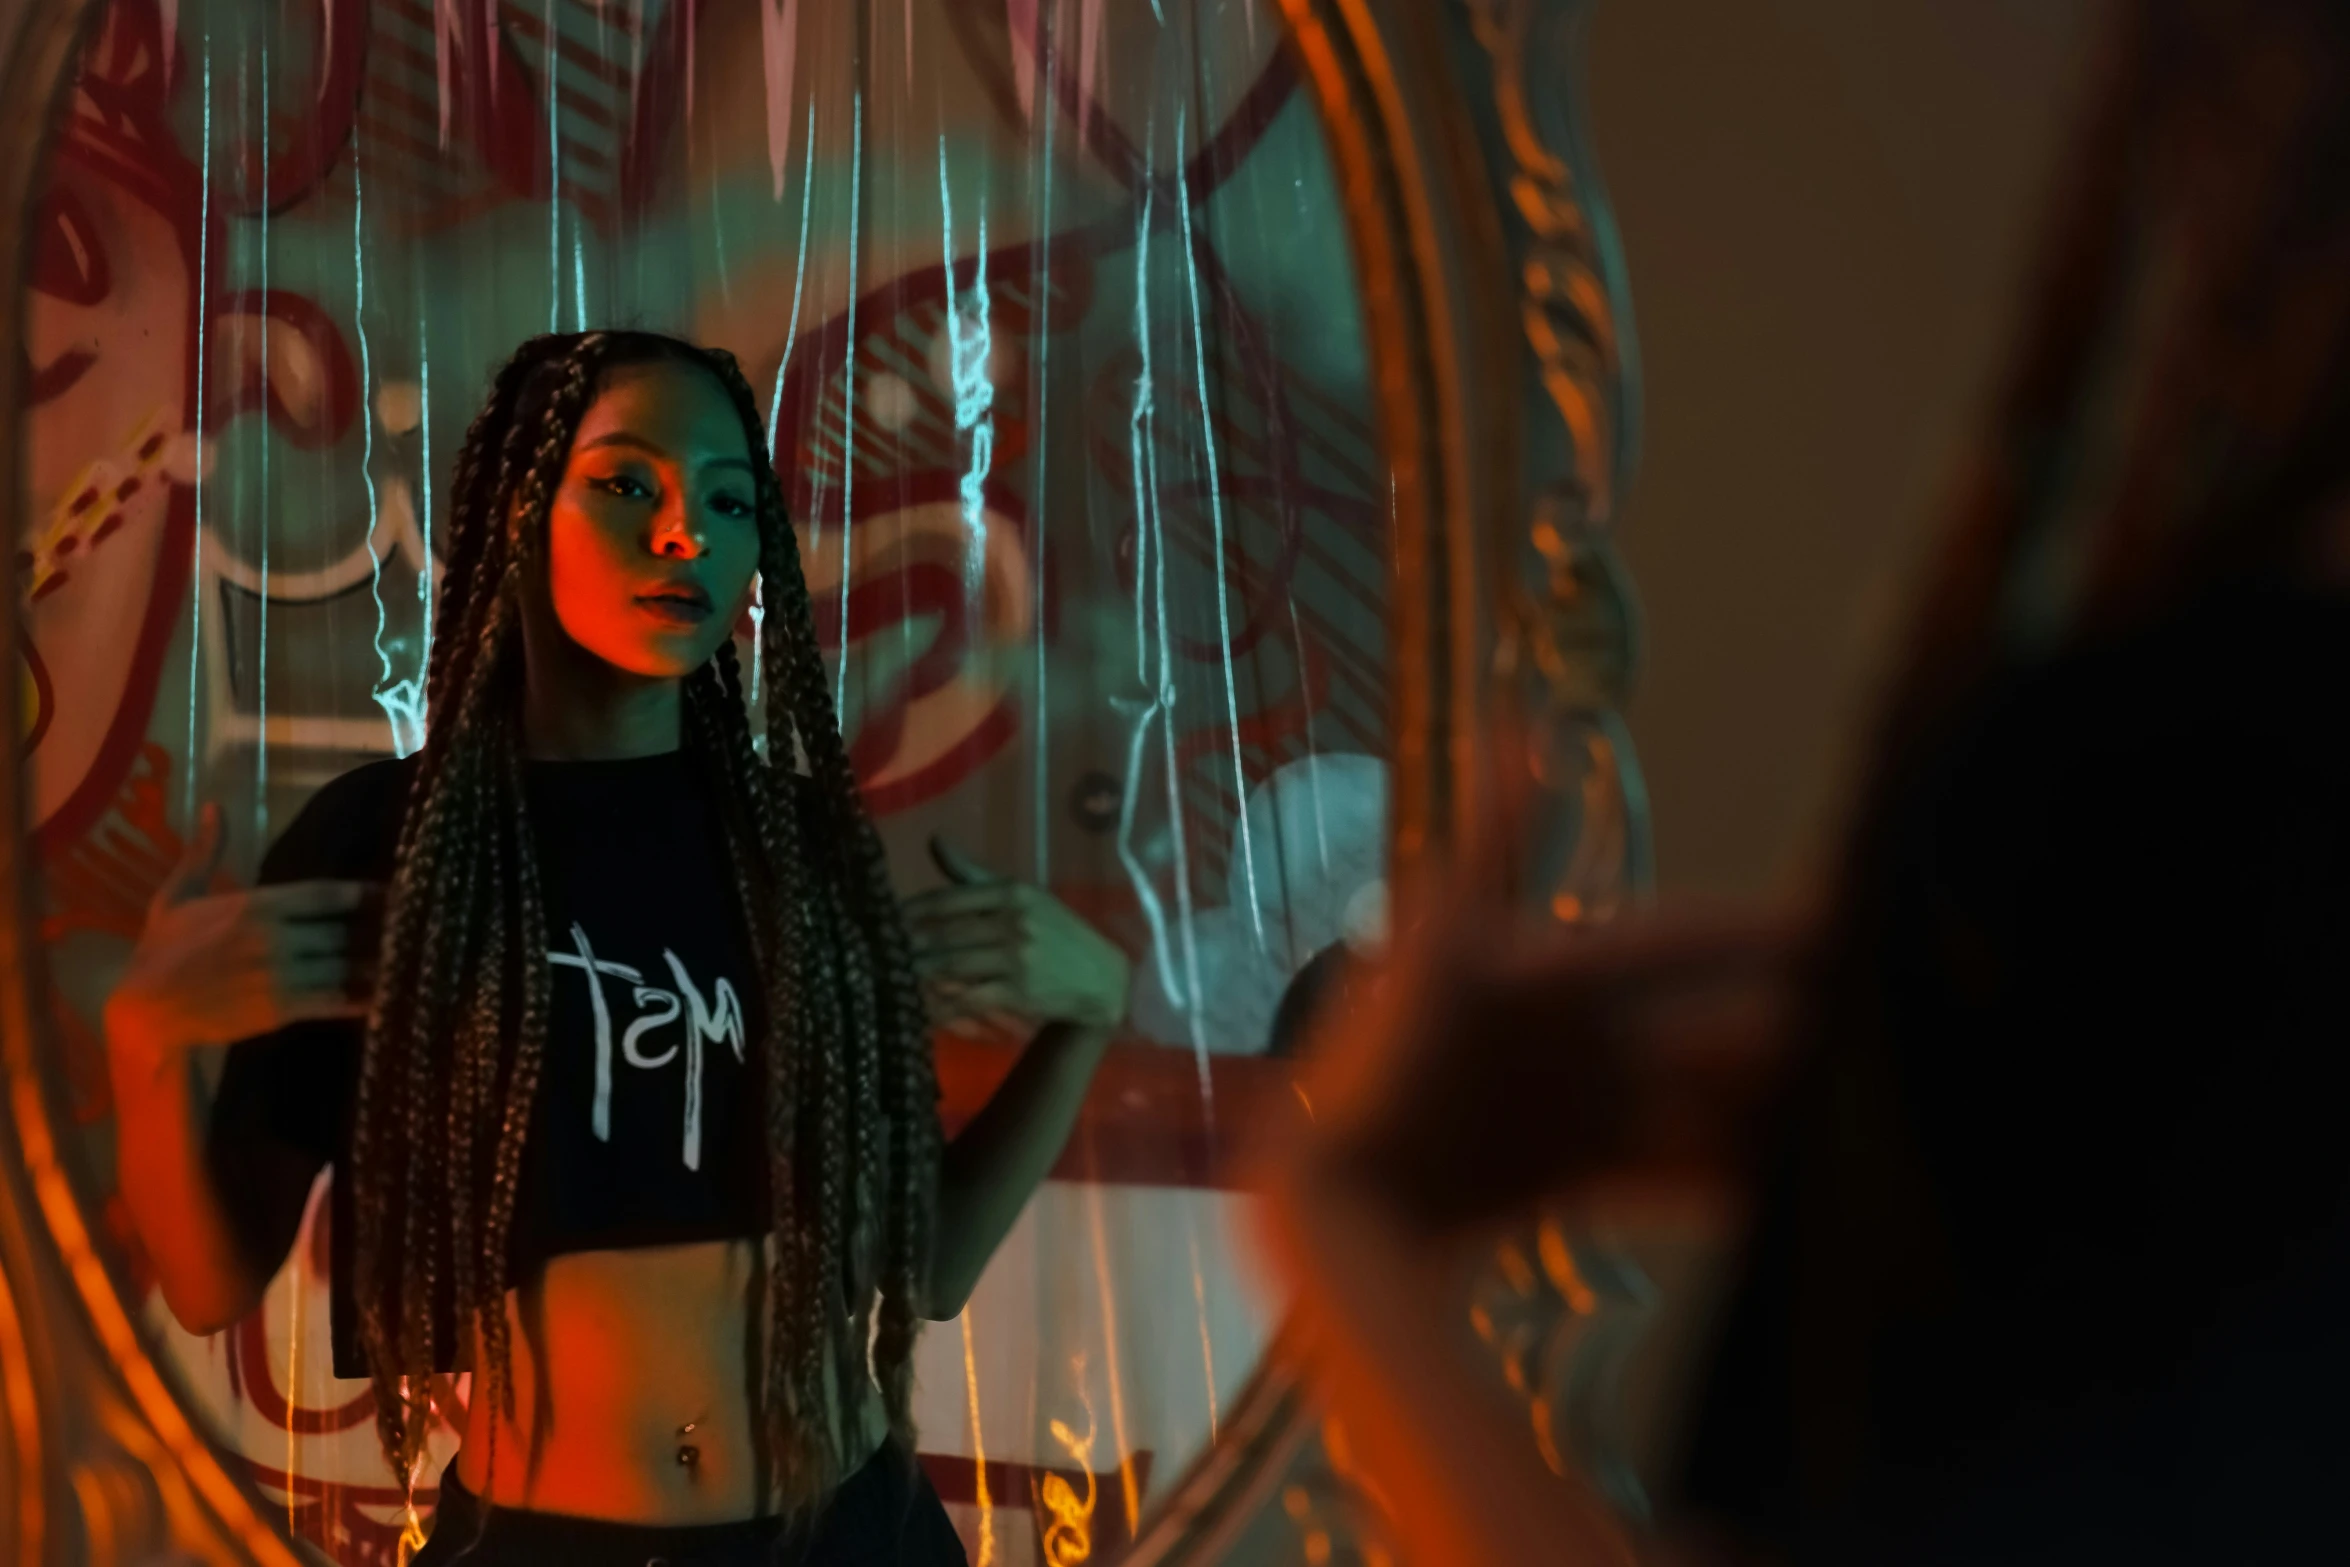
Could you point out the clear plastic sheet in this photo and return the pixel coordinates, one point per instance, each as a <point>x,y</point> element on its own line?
<point>1051,307</point>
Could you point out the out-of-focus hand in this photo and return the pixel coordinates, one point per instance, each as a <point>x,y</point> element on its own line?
<point>1495,1056</point>
<point>1499,1059</point>
<point>215,966</point>
<point>1001,956</point>
<point>1492,1061</point>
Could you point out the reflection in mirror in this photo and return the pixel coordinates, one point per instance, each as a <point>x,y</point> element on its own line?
<point>1049,328</point>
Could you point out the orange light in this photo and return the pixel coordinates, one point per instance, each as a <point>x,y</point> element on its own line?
<point>1558,1260</point>
<point>1128,1482</point>
<point>978,1449</point>
<point>1068,1538</point>
<point>1207,1347</point>
<point>411,1531</point>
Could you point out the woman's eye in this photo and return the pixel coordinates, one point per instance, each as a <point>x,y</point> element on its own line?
<point>622,485</point>
<point>733,506</point>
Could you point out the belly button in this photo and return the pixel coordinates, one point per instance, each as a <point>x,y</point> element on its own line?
<point>688,1455</point>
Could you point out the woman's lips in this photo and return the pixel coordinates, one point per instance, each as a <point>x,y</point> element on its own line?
<point>676,609</point>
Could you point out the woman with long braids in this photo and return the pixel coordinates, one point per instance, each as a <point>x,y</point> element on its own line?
<point>609,1025</point>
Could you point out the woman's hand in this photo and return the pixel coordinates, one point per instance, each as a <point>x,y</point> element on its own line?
<point>999,956</point>
<point>211,968</point>
<point>1002,958</point>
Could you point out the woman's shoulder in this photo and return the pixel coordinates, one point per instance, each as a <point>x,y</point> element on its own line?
<point>347,828</point>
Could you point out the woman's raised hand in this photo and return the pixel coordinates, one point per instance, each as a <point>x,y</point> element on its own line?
<point>215,966</point>
<point>994,955</point>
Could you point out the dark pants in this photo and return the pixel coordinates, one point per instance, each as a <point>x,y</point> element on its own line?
<point>884,1515</point>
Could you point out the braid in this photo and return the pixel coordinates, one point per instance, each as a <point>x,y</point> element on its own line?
<point>886,1085</point>
<point>474,490</point>
<point>473,1086</point>
<point>908,1088</point>
<point>570,388</point>
<point>802,1300</point>
<point>781,906</point>
<point>520,1094</point>
<point>449,948</point>
<point>788,1287</point>
<point>858,1157</point>
<point>439,854</point>
<point>850,1092</point>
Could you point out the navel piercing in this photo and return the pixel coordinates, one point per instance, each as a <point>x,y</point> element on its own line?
<point>688,1455</point>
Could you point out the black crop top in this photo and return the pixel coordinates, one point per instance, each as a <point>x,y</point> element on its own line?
<point>647,1129</point>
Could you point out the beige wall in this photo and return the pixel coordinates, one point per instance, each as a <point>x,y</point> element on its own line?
<point>1826,204</point>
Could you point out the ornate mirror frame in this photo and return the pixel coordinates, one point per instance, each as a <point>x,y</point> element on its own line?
<point>1502,375</point>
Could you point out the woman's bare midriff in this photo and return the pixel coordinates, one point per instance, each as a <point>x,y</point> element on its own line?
<point>614,1353</point>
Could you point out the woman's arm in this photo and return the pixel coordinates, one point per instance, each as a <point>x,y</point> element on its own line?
<point>210,970</point>
<point>1000,1158</point>
<point>162,1114</point>
<point>996,955</point>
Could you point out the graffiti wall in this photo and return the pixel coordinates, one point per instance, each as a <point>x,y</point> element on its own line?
<point>1051,309</point>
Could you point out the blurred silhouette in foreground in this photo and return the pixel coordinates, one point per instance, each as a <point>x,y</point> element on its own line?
<point>2042,1119</point>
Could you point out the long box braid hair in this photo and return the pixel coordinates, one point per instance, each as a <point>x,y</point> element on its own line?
<point>457,1036</point>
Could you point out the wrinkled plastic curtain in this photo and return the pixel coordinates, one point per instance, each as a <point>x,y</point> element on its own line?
<point>1050,306</point>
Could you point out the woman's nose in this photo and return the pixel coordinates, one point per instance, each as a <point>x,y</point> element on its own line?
<point>677,532</point>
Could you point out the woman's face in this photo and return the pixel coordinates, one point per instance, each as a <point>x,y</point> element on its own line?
<point>653,541</point>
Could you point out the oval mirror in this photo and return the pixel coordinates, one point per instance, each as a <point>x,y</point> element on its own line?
<point>1134,556</point>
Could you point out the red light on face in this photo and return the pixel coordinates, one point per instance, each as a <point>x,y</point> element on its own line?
<point>653,538</point>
